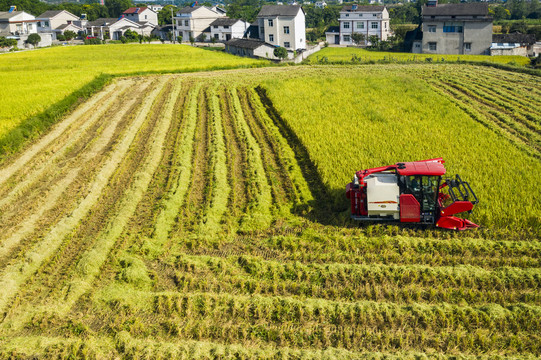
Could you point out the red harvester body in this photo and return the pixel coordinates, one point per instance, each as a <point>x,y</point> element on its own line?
<point>411,192</point>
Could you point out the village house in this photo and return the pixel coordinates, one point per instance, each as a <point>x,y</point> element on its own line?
<point>114,29</point>
<point>155,7</point>
<point>194,21</point>
<point>513,44</point>
<point>57,22</point>
<point>282,25</point>
<point>19,24</point>
<point>225,29</point>
<point>363,19</point>
<point>142,15</point>
<point>254,48</point>
<point>456,29</point>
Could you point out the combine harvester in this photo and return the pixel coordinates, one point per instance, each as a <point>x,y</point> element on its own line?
<point>411,192</point>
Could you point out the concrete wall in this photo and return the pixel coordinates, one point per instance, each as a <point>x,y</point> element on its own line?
<point>476,33</point>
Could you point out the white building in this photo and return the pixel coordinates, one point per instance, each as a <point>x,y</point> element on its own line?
<point>367,20</point>
<point>193,21</point>
<point>225,29</point>
<point>282,25</point>
<point>114,29</point>
<point>155,8</point>
<point>141,15</point>
<point>18,23</point>
<point>321,4</point>
<point>252,48</point>
<point>57,22</point>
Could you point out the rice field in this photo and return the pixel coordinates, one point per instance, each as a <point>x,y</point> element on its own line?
<point>362,56</point>
<point>34,80</point>
<point>199,216</point>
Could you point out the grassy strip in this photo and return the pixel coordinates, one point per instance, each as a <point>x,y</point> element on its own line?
<point>17,273</point>
<point>91,261</point>
<point>219,187</point>
<point>258,213</point>
<point>36,125</point>
<point>177,193</point>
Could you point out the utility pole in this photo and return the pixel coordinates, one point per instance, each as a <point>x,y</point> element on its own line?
<point>173,23</point>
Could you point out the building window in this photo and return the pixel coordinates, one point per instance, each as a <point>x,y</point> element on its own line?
<point>432,46</point>
<point>287,44</point>
<point>271,37</point>
<point>432,28</point>
<point>226,26</point>
<point>374,25</point>
<point>215,26</point>
<point>346,25</point>
<point>467,46</point>
<point>347,38</point>
<point>417,45</point>
<point>145,16</point>
<point>347,15</point>
<point>360,25</point>
<point>216,36</point>
<point>374,15</point>
<point>270,22</point>
<point>449,27</point>
<point>186,23</point>
<point>286,29</point>
<point>46,24</point>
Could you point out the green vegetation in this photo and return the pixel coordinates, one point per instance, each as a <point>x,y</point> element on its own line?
<point>32,81</point>
<point>203,215</point>
<point>335,55</point>
<point>393,113</point>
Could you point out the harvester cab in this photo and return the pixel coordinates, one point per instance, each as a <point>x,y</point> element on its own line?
<point>411,192</point>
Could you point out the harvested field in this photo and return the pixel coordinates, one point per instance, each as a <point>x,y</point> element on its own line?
<point>183,216</point>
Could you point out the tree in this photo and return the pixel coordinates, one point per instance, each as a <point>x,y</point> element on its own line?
<point>33,39</point>
<point>374,41</point>
<point>7,43</point>
<point>520,26</point>
<point>203,37</point>
<point>164,15</point>
<point>69,35</point>
<point>192,40</point>
<point>60,37</point>
<point>358,38</point>
<point>213,40</point>
<point>243,9</point>
<point>179,39</point>
<point>280,52</point>
<point>117,7</point>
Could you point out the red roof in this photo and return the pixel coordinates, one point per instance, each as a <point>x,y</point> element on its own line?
<point>430,167</point>
<point>135,10</point>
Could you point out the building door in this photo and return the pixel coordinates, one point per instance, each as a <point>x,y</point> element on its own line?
<point>227,37</point>
<point>337,39</point>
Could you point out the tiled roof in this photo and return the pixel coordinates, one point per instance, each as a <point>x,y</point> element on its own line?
<point>135,10</point>
<point>468,9</point>
<point>247,43</point>
<point>515,37</point>
<point>362,8</point>
<point>279,10</point>
<point>224,22</point>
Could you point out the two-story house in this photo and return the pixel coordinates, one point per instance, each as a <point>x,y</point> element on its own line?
<point>225,29</point>
<point>282,25</point>
<point>57,22</point>
<point>18,23</point>
<point>456,29</point>
<point>141,15</point>
<point>193,21</point>
<point>363,19</point>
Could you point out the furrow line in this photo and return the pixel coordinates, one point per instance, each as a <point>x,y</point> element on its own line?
<point>174,200</point>
<point>258,212</point>
<point>30,177</point>
<point>219,183</point>
<point>57,131</point>
<point>91,261</point>
<point>16,274</point>
<point>28,226</point>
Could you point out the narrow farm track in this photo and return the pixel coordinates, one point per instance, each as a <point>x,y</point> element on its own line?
<point>171,222</point>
